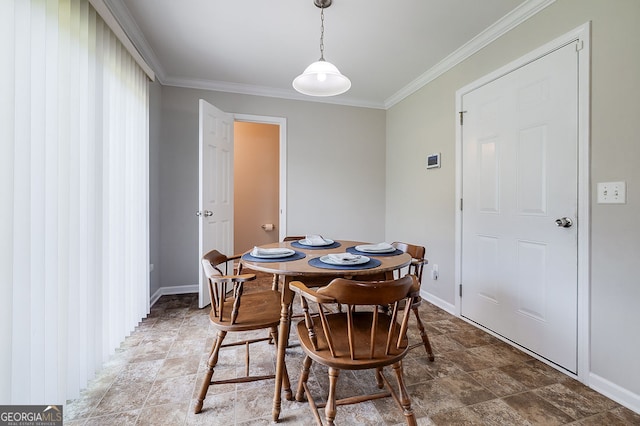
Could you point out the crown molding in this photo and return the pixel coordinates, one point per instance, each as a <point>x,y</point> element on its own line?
<point>122,14</point>
<point>247,89</point>
<point>103,10</point>
<point>511,20</point>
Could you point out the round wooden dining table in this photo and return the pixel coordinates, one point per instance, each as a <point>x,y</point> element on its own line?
<point>301,266</point>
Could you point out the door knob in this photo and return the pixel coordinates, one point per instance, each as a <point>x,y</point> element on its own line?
<point>564,222</point>
<point>198,213</point>
<point>208,213</point>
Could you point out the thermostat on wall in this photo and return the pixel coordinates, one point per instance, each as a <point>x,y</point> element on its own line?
<point>433,161</point>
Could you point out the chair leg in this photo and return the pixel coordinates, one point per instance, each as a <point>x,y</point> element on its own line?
<point>304,376</point>
<point>423,334</point>
<point>405,401</point>
<point>330,409</point>
<point>274,287</point>
<point>286,384</point>
<point>379,380</point>
<point>211,362</point>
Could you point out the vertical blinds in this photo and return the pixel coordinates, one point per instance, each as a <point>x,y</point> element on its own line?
<point>74,198</point>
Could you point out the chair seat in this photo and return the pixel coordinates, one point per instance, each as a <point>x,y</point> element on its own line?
<point>362,326</point>
<point>258,310</point>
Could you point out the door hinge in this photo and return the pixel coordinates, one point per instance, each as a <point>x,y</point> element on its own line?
<point>460,204</point>
<point>461,116</point>
<point>460,290</point>
<point>579,45</point>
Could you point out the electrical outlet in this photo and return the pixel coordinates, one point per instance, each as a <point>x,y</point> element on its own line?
<point>434,272</point>
<point>612,193</point>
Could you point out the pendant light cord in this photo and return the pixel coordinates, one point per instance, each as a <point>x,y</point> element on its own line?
<point>322,33</point>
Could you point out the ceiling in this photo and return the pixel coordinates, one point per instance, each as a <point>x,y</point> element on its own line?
<point>388,49</point>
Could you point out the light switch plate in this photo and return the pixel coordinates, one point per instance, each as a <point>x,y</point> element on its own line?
<point>612,193</point>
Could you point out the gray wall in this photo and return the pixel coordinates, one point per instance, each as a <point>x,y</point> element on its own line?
<point>425,123</point>
<point>335,166</point>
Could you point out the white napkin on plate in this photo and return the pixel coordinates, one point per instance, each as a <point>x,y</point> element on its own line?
<point>257,251</point>
<point>315,240</point>
<point>378,247</point>
<point>344,257</point>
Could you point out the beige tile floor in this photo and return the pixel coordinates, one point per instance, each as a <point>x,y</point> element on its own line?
<point>475,380</point>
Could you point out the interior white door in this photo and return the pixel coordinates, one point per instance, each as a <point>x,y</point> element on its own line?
<point>215,187</point>
<point>519,176</point>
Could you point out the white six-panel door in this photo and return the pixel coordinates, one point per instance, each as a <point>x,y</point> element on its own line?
<point>215,187</point>
<point>519,176</point>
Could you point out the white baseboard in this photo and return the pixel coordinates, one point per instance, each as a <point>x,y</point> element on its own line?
<point>178,289</point>
<point>438,302</point>
<point>617,393</point>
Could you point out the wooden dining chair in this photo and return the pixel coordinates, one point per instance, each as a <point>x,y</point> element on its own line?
<point>356,339</point>
<point>233,310</point>
<point>418,261</point>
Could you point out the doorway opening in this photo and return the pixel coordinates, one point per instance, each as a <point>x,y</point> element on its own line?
<point>259,180</point>
<point>216,182</point>
<point>256,184</point>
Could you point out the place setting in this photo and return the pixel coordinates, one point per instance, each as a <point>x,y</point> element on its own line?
<point>275,254</point>
<point>379,249</point>
<point>344,261</point>
<point>315,242</point>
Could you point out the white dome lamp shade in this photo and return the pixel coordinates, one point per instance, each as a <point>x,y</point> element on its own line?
<point>321,78</point>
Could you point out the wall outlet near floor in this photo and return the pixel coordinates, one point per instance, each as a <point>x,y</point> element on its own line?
<point>612,192</point>
<point>434,272</point>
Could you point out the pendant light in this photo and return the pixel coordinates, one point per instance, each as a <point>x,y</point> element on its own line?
<point>321,78</point>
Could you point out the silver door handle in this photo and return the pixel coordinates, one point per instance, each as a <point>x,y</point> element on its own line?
<point>208,213</point>
<point>564,222</point>
<point>198,213</point>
